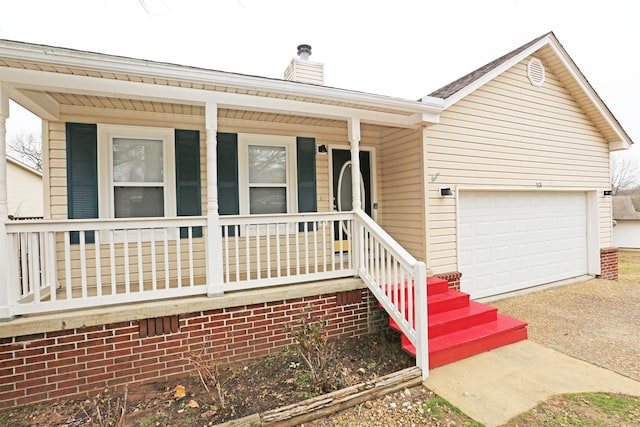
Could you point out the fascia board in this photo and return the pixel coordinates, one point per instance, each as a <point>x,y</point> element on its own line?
<point>113,64</point>
<point>40,104</point>
<point>86,85</point>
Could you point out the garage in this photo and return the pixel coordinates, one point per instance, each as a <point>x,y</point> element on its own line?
<point>512,240</point>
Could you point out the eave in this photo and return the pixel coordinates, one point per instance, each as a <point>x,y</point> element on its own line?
<point>319,101</point>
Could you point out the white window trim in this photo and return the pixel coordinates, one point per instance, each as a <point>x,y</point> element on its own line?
<point>106,134</point>
<point>289,142</point>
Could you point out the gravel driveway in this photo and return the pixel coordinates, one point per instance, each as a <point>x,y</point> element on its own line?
<point>597,321</point>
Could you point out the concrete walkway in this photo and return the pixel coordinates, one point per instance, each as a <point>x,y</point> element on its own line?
<point>495,386</point>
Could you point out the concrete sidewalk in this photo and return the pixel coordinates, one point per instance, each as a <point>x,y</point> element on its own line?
<point>495,386</point>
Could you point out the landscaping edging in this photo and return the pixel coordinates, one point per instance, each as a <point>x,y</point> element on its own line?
<point>326,404</point>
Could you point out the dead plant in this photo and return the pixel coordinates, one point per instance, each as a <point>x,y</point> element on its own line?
<point>311,340</point>
<point>208,372</point>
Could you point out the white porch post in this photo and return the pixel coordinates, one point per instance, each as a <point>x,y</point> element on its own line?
<point>422,325</point>
<point>214,236</point>
<point>6,287</point>
<point>353,126</point>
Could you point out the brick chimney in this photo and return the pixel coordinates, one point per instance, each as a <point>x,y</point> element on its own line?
<point>304,71</point>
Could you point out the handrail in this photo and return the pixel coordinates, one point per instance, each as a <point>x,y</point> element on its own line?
<point>397,280</point>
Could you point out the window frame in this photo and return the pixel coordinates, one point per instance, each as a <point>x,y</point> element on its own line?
<point>106,135</point>
<point>291,187</point>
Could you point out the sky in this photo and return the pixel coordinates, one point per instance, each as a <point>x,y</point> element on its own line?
<point>400,48</point>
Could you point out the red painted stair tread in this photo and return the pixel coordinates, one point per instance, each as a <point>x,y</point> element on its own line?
<point>459,327</point>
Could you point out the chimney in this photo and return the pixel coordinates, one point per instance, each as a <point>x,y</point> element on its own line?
<point>304,71</point>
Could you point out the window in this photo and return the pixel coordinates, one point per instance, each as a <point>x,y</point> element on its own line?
<point>138,166</point>
<point>266,183</point>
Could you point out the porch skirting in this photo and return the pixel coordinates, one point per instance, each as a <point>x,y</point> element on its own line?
<point>79,354</point>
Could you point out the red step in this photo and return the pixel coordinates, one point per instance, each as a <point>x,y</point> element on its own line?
<point>458,327</point>
<point>449,300</point>
<point>436,285</point>
<point>471,341</point>
<point>462,318</point>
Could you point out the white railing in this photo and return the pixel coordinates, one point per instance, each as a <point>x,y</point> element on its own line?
<point>398,281</point>
<point>64,264</point>
<point>267,250</point>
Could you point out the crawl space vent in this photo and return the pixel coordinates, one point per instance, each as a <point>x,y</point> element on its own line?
<point>535,71</point>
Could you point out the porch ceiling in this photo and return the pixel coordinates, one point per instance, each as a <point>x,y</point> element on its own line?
<point>35,69</point>
<point>70,99</point>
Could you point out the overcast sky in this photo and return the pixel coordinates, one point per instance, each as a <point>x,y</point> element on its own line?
<point>401,48</point>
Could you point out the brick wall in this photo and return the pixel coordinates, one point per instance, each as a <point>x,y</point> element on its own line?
<point>453,278</point>
<point>81,362</point>
<point>609,263</point>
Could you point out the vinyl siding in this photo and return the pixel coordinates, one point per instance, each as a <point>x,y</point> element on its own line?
<point>402,190</point>
<point>24,191</point>
<point>510,134</point>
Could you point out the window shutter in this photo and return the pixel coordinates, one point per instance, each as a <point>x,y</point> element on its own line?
<point>228,191</point>
<point>82,175</point>
<point>306,157</point>
<point>188,195</point>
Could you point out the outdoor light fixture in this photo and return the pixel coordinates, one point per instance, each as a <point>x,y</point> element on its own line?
<point>322,148</point>
<point>445,191</point>
<point>608,192</point>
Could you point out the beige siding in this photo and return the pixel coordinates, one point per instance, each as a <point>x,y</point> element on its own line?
<point>24,191</point>
<point>402,190</point>
<point>331,136</point>
<point>510,134</point>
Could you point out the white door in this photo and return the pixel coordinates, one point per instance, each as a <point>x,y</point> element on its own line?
<point>514,240</point>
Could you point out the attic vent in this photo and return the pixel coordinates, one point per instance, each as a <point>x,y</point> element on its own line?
<point>535,72</point>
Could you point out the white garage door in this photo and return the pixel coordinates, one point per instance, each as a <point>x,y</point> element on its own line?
<point>515,240</point>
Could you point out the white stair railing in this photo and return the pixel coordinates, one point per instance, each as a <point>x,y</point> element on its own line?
<point>398,281</point>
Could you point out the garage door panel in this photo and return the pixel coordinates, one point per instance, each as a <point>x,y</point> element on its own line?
<point>513,240</point>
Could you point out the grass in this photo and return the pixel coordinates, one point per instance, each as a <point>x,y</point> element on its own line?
<point>438,408</point>
<point>629,267</point>
<point>582,410</point>
<point>612,404</point>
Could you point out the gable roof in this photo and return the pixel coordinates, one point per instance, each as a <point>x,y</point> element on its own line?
<point>555,57</point>
<point>457,85</point>
<point>624,209</point>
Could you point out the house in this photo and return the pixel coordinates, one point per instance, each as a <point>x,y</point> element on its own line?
<point>626,228</point>
<point>195,209</point>
<point>24,190</point>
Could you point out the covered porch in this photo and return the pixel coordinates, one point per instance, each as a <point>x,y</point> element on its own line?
<point>69,261</point>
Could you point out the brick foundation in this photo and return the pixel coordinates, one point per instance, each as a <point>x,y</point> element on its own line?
<point>453,278</point>
<point>608,264</point>
<point>80,362</point>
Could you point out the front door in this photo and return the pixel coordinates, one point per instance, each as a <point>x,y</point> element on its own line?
<point>342,194</point>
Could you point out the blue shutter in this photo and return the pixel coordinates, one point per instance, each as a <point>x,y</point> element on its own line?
<point>306,167</point>
<point>188,192</point>
<point>228,190</point>
<point>82,175</point>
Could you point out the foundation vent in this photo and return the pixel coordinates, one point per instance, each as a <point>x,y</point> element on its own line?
<point>535,72</point>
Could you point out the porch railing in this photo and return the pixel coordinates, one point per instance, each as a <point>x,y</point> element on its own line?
<point>267,250</point>
<point>63,264</point>
<point>398,281</point>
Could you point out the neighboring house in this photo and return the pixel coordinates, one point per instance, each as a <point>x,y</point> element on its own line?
<point>24,190</point>
<point>626,229</point>
<point>192,208</point>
